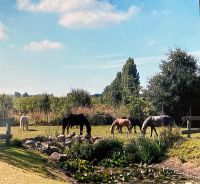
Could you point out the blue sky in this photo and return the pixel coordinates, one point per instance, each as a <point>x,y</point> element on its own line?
<point>53,46</point>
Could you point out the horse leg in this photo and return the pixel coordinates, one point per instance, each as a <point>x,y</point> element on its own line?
<point>81,129</point>
<point>63,127</point>
<point>155,131</point>
<point>151,131</point>
<point>67,129</point>
<point>27,126</point>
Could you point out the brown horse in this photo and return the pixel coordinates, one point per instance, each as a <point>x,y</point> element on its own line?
<point>120,123</point>
<point>157,121</point>
<point>134,121</point>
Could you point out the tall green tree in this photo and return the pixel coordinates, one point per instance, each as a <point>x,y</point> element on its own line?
<point>129,81</point>
<point>176,87</point>
<point>125,86</point>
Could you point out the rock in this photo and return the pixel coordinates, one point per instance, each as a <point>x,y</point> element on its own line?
<point>30,142</point>
<point>68,143</point>
<point>38,144</point>
<point>55,156</point>
<point>61,138</point>
<point>77,138</point>
<point>63,157</point>
<point>70,135</point>
<point>47,150</point>
<point>87,136</point>
<point>54,149</point>
<point>94,138</point>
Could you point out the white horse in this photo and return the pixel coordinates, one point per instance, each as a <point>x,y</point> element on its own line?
<point>24,122</point>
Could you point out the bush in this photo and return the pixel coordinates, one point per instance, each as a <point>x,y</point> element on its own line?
<point>17,143</point>
<point>82,151</point>
<point>169,138</point>
<point>105,148</point>
<point>131,151</point>
<point>150,151</point>
<point>101,119</point>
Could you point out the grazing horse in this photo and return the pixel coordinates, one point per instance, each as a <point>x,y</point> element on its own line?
<point>76,119</point>
<point>24,122</point>
<point>120,123</point>
<point>157,121</point>
<point>134,121</point>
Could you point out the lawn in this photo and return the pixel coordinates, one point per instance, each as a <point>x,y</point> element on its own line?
<point>101,130</point>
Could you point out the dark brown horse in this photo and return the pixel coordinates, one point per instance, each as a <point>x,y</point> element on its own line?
<point>76,119</point>
<point>157,121</point>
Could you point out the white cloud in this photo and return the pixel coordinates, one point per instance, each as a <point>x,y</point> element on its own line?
<point>80,14</point>
<point>3,35</point>
<point>43,45</point>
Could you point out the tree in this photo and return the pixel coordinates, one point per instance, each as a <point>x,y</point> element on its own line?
<point>79,97</point>
<point>176,87</point>
<point>6,105</point>
<point>124,87</point>
<point>129,81</point>
<point>113,93</point>
<point>45,105</point>
<point>17,94</point>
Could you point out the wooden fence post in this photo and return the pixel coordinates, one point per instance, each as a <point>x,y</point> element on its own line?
<point>188,127</point>
<point>8,134</point>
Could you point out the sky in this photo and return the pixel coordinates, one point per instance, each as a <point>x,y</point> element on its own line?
<point>52,46</point>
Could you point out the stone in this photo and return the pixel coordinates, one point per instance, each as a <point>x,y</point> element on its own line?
<point>70,135</point>
<point>61,138</point>
<point>38,144</point>
<point>55,156</point>
<point>30,142</point>
<point>68,143</point>
<point>54,149</point>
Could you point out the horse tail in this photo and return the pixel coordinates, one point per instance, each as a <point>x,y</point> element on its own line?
<point>174,123</point>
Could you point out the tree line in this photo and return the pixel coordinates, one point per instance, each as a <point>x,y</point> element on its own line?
<point>173,91</point>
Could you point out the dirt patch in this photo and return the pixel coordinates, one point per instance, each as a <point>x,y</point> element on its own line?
<point>186,168</point>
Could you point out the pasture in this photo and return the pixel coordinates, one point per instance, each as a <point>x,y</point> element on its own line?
<point>23,159</point>
<point>100,130</point>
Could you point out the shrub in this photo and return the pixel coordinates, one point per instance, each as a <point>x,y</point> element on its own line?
<point>105,148</point>
<point>82,151</point>
<point>169,137</point>
<point>150,151</point>
<point>17,142</point>
<point>131,151</point>
<point>101,119</point>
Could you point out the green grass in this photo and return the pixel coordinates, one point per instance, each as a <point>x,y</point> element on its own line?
<point>101,130</point>
<point>188,150</point>
<point>190,147</point>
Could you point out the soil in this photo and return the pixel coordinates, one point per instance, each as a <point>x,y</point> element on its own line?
<point>186,168</point>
